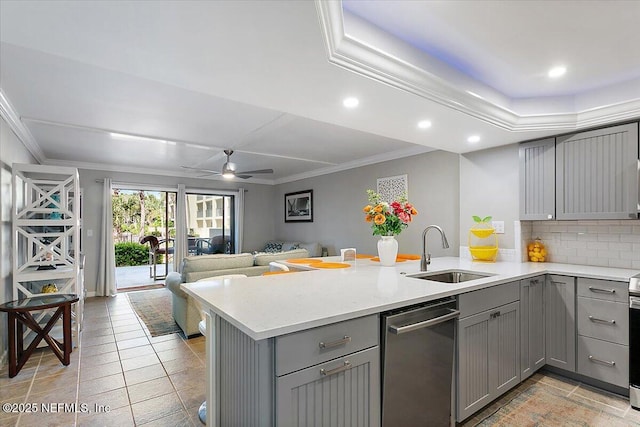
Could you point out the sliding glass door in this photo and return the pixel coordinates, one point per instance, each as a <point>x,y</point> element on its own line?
<point>144,232</point>
<point>210,224</point>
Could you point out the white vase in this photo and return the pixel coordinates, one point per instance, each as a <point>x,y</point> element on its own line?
<point>387,250</point>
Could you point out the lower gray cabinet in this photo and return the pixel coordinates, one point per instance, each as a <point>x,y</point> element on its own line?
<point>488,357</point>
<point>560,309</point>
<point>344,391</point>
<point>532,326</point>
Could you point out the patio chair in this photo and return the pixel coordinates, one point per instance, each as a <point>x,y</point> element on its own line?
<point>156,247</point>
<point>214,245</point>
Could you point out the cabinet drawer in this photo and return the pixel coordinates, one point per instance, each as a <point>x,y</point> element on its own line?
<point>604,361</point>
<point>604,320</point>
<point>604,289</point>
<point>307,348</point>
<point>486,299</point>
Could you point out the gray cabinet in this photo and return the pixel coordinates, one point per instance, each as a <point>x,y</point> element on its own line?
<point>597,174</point>
<point>329,375</point>
<point>537,180</point>
<point>488,354</point>
<point>603,330</point>
<point>560,295</point>
<point>532,326</point>
<point>340,392</point>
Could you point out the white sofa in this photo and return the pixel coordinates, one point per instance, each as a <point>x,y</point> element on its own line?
<point>185,312</point>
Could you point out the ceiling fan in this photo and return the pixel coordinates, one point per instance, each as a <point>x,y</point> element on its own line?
<point>229,169</point>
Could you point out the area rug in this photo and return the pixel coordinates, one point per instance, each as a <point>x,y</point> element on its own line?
<point>541,405</point>
<point>154,308</point>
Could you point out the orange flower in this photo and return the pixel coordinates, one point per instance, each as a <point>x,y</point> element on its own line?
<point>378,209</point>
<point>379,219</point>
<point>414,211</point>
<point>368,218</point>
<point>366,209</point>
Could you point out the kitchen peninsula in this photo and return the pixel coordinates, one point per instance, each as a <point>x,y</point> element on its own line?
<point>261,329</point>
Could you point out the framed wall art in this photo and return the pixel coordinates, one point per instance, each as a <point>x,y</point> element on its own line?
<point>298,206</point>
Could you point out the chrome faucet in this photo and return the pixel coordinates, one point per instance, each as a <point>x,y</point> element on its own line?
<point>425,258</point>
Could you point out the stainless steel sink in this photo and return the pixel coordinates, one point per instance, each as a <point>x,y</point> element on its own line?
<point>451,276</point>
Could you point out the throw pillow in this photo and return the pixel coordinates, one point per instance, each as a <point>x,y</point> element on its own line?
<point>272,247</point>
<point>288,246</point>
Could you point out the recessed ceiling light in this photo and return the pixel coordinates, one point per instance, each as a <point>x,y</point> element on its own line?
<point>350,102</point>
<point>424,124</point>
<point>473,139</point>
<point>556,72</point>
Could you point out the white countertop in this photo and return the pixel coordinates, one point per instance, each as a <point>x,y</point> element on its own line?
<point>268,306</point>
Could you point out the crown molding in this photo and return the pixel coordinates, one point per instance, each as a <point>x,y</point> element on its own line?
<point>364,59</point>
<point>379,158</point>
<point>11,116</point>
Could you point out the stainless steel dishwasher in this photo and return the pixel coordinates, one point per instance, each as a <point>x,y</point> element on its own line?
<point>417,350</point>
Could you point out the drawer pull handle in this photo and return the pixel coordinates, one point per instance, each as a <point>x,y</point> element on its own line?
<point>595,319</point>
<point>494,315</point>
<point>336,343</point>
<point>603,362</point>
<point>555,282</point>
<point>602,291</point>
<point>345,367</point>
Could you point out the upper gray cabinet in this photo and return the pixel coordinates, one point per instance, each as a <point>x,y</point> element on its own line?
<point>597,174</point>
<point>586,175</point>
<point>537,180</point>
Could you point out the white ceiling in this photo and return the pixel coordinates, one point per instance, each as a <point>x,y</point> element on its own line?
<point>267,78</point>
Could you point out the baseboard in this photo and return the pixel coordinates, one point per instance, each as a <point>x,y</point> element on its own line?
<point>90,294</point>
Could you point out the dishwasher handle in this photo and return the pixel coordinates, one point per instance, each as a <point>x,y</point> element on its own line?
<point>397,330</point>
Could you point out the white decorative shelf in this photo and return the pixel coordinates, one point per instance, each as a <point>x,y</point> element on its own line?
<point>46,234</point>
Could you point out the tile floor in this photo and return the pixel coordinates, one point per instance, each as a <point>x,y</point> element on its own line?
<point>143,380</point>
<point>159,381</point>
<point>569,402</point>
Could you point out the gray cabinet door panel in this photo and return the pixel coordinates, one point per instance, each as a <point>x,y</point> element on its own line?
<point>597,174</point>
<point>349,397</point>
<point>506,331</point>
<point>532,326</point>
<point>474,388</point>
<point>488,357</point>
<point>537,180</point>
<point>560,322</point>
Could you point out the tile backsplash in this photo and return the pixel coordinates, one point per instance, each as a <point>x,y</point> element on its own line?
<point>607,243</point>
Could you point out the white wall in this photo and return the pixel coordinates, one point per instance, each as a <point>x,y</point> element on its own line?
<point>338,199</point>
<point>258,220</point>
<point>11,151</point>
<point>489,186</point>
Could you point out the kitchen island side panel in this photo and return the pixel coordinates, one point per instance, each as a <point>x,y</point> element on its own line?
<point>246,374</point>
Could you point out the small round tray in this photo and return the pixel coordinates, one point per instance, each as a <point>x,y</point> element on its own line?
<point>398,259</point>
<point>304,261</point>
<point>332,265</point>
<point>409,257</point>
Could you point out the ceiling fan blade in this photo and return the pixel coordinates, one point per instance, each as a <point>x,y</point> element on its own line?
<point>243,176</point>
<point>254,172</point>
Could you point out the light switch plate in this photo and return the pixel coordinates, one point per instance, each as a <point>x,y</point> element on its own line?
<point>498,226</point>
